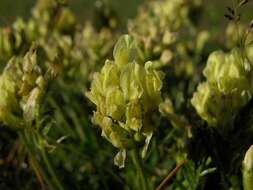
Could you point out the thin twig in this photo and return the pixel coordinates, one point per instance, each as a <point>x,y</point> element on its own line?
<point>170,175</point>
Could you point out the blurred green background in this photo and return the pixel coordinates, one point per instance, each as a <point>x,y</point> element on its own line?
<point>9,10</point>
<point>125,9</point>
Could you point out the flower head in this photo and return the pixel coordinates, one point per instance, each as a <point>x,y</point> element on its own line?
<point>23,84</point>
<point>227,89</point>
<point>125,93</point>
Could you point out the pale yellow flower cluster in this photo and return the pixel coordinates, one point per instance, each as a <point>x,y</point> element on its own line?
<point>125,93</point>
<point>23,84</point>
<point>227,89</point>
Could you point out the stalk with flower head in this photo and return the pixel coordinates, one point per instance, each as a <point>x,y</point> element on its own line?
<point>126,92</point>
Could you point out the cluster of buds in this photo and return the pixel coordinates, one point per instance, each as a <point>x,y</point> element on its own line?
<point>126,93</point>
<point>227,89</point>
<point>23,84</point>
<point>53,27</point>
<point>158,25</point>
<point>93,48</point>
<point>53,15</point>
<point>48,19</point>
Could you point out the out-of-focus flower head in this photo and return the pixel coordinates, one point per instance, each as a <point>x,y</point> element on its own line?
<point>10,111</point>
<point>227,89</point>
<point>49,19</point>
<point>158,24</point>
<point>92,48</point>
<point>23,84</point>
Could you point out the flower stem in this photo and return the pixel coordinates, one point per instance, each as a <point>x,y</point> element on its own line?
<point>50,168</point>
<point>139,169</point>
<point>35,165</point>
